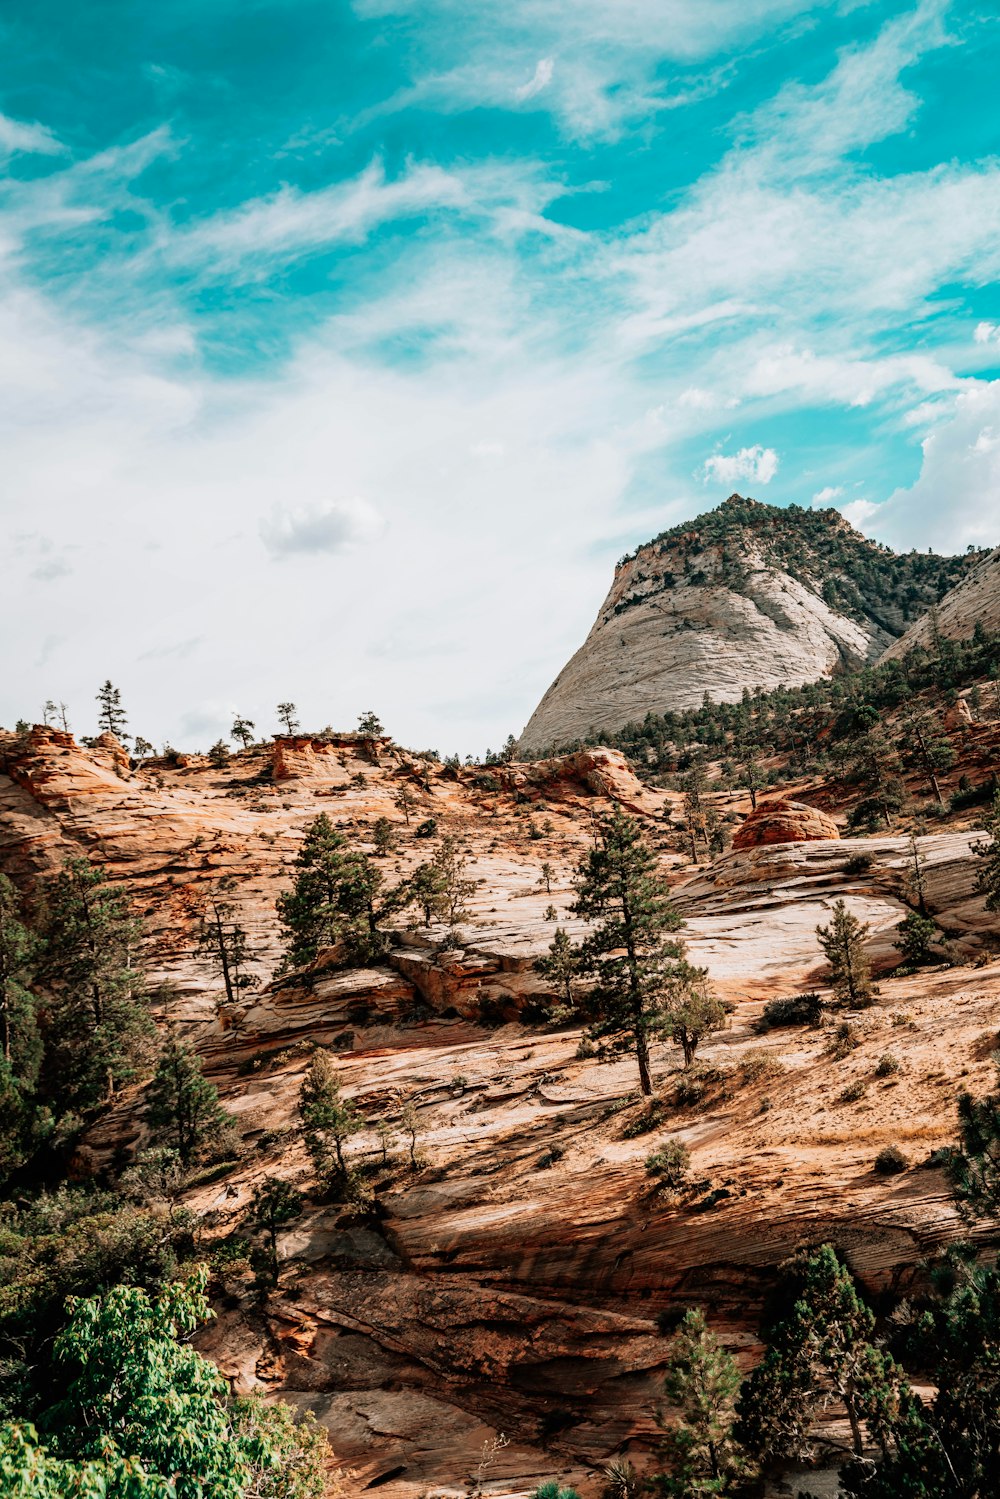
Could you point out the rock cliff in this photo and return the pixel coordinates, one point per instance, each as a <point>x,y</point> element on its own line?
<point>746,596</point>
<point>974,601</point>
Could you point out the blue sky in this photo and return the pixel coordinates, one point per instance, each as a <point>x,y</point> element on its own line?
<point>345,346</point>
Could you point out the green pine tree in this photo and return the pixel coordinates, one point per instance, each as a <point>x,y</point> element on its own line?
<point>334,898</point>
<point>843,945</point>
<point>97,1030</point>
<point>20,1040</point>
<point>328,1120</point>
<point>560,965</point>
<point>630,952</point>
<point>275,1202</point>
<point>988,850</point>
<point>691,1010</point>
<point>701,1384</point>
<point>182,1106</point>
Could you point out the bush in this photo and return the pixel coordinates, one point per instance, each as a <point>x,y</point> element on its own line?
<point>854,1092</point>
<point>621,1481</point>
<point>650,1118</point>
<point>756,1065</point>
<point>887,1065</point>
<point>859,864</point>
<point>426,829</point>
<point>670,1164</point>
<point>799,1009</point>
<point>845,1038</point>
<point>890,1161</point>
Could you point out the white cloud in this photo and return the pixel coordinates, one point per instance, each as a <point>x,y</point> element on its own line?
<point>757,464</point>
<point>317,529</point>
<point>826,496</point>
<point>987,333</point>
<point>857,512</point>
<point>540,80</point>
<point>16,136</point>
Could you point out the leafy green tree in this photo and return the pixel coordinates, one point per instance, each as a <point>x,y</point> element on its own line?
<point>242,730</point>
<point>370,725</point>
<point>692,1011</point>
<point>630,951</point>
<point>183,1107</point>
<point>286,714</point>
<point>333,898</point>
<point>843,946</point>
<point>97,1030</point>
<point>560,965</point>
<point>824,1351</point>
<point>141,1413</point>
<point>224,942</point>
<point>988,850</point>
<point>112,718</point>
<point>915,937</point>
<point>328,1120</point>
<point>274,1203</point>
<point>701,1384</point>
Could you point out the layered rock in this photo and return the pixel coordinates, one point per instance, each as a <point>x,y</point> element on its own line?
<point>784,821</point>
<point>747,596</point>
<point>974,601</point>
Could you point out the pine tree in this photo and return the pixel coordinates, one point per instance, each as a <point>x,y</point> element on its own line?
<point>224,941</point>
<point>975,1167</point>
<point>933,749</point>
<point>20,1042</point>
<point>409,1123</point>
<point>328,1120</point>
<point>560,965</point>
<point>275,1202</point>
<point>875,767</point>
<point>112,718</point>
<point>630,951</point>
<point>843,944</point>
<point>745,753</point>
<point>97,1030</point>
<point>218,755</point>
<point>242,730</point>
<point>545,877</point>
<point>692,1011</point>
<point>988,850</point>
<point>701,1383</point>
<point>182,1106</point>
<point>509,752</point>
<point>383,837</point>
<point>370,725</point>
<point>142,748</point>
<point>824,1350</point>
<point>915,937</point>
<point>333,898</point>
<point>286,713</point>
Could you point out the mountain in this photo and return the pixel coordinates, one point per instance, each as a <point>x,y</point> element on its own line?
<point>747,595</point>
<point>974,601</point>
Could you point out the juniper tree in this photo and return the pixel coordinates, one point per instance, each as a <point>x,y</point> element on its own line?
<point>328,1120</point>
<point>242,730</point>
<point>560,965</point>
<point>383,836</point>
<point>224,941</point>
<point>915,937</point>
<point>334,898</point>
<point>274,1203</point>
<point>843,945</point>
<point>218,755</point>
<point>286,713</point>
<point>182,1106</point>
<point>691,1010</point>
<point>701,1383</point>
<point>823,1350</point>
<point>97,1027</point>
<point>112,718</point>
<point>988,850</point>
<point>630,951</point>
<point>370,725</point>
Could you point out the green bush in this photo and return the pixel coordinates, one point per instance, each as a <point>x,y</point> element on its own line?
<point>890,1161</point>
<point>887,1065</point>
<point>670,1164</point>
<point>799,1009</point>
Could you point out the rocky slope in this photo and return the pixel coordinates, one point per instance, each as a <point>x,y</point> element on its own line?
<point>520,1279</point>
<point>974,601</point>
<point>746,596</point>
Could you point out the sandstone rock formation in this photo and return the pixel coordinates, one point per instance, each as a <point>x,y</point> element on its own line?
<point>974,601</point>
<point>784,821</point>
<point>746,596</point>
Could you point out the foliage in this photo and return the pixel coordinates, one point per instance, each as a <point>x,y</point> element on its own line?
<point>183,1107</point>
<point>560,965</point>
<point>692,1011</point>
<point>287,716</point>
<point>975,1168</point>
<point>334,898</point>
<point>242,730</point>
<point>988,850</point>
<point>701,1384</point>
<point>915,937</point>
<point>275,1202</point>
<point>383,836</point>
<point>20,1039</point>
<point>630,950</point>
<point>97,1028</point>
<point>440,887</point>
<point>112,718</point>
<point>890,1161</point>
<point>843,945</point>
<point>223,940</point>
<point>798,1009</point>
<point>670,1164</point>
<point>328,1120</point>
<point>370,725</point>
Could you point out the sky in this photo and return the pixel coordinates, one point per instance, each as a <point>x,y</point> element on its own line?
<point>346,344</point>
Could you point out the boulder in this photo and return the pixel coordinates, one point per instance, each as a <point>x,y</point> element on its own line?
<point>784,821</point>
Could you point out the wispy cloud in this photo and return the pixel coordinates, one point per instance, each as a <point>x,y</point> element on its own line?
<point>320,529</point>
<point>32,139</point>
<point>757,465</point>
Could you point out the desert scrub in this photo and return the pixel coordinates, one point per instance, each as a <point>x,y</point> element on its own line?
<point>798,1009</point>
<point>757,1065</point>
<point>854,1092</point>
<point>670,1164</point>
<point>845,1038</point>
<point>887,1065</point>
<point>890,1161</point>
<point>651,1118</point>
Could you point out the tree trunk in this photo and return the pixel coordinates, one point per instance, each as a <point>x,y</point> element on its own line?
<point>642,1057</point>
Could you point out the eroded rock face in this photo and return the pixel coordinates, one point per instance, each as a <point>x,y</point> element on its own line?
<point>784,821</point>
<point>974,601</point>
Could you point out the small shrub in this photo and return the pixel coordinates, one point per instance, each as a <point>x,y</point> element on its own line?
<point>650,1118</point>
<point>426,829</point>
<point>799,1009</point>
<point>890,1161</point>
<point>887,1065</point>
<point>845,1038</point>
<point>854,1092</point>
<point>585,1050</point>
<point>754,1066</point>
<point>670,1164</point>
<point>859,864</point>
<point>621,1481</point>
